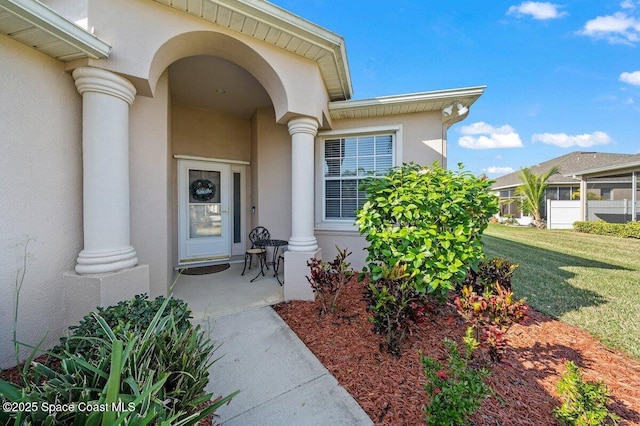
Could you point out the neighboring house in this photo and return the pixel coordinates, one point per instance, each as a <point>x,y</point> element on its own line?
<point>139,136</point>
<point>566,184</point>
<point>624,205</point>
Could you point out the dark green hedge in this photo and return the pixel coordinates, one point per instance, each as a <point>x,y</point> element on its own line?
<point>627,230</point>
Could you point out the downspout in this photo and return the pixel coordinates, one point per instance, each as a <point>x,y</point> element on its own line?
<point>451,115</point>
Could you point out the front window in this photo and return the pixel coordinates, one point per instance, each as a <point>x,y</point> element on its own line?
<point>347,161</point>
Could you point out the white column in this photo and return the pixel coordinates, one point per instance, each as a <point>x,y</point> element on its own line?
<point>583,198</point>
<point>634,195</point>
<point>106,98</point>
<point>303,131</point>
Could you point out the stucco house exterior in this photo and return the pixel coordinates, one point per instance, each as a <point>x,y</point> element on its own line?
<point>113,112</point>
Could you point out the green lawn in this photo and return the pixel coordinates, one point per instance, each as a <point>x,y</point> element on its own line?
<point>591,281</point>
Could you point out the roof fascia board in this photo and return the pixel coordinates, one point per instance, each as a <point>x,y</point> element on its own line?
<point>41,16</point>
<point>287,22</point>
<point>515,185</point>
<point>307,30</point>
<point>423,97</point>
<point>605,169</point>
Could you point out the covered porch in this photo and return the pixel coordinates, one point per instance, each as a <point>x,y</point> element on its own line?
<point>215,295</point>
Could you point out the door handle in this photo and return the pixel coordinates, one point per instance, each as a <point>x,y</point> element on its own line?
<point>225,211</point>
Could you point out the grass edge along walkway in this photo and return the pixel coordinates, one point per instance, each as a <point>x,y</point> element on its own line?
<point>590,281</point>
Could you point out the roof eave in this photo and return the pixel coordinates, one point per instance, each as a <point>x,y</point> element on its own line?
<point>605,169</point>
<point>331,44</point>
<point>405,103</point>
<point>42,17</point>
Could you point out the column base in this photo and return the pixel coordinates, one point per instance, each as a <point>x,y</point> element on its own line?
<point>296,286</point>
<point>101,262</point>
<point>83,293</point>
<point>303,245</point>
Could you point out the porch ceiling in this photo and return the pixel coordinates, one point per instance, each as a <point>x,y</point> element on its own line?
<point>269,23</point>
<point>216,84</point>
<point>34,24</point>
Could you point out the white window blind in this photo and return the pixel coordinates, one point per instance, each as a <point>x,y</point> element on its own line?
<point>347,161</point>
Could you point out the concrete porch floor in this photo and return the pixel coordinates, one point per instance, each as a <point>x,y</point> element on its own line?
<point>227,292</point>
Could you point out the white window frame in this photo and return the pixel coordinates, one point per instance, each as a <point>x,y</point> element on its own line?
<point>322,223</point>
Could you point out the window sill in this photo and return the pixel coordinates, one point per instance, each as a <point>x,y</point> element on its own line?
<point>337,227</point>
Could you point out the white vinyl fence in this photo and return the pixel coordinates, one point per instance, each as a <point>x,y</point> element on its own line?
<point>562,213</point>
<point>618,211</point>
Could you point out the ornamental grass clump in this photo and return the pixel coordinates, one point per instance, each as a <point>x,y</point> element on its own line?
<point>124,374</point>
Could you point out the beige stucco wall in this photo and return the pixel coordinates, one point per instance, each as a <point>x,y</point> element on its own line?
<point>271,171</point>
<point>204,133</point>
<point>150,177</point>
<point>40,191</point>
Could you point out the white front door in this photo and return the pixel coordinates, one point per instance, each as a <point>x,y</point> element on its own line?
<point>203,211</point>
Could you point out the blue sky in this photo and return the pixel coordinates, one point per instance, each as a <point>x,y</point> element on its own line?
<point>560,76</point>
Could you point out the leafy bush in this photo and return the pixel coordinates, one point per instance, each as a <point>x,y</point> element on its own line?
<point>396,305</point>
<point>583,403</point>
<point>489,305</point>
<point>158,373</point>
<point>431,220</point>
<point>133,315</point>
<point>627,230</point>
<point>328,278</point>
<point>456,391</point>
<point>488,273</point>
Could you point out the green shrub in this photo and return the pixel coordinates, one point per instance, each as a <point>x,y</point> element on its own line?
<point>133,315</point>
<point>455,391</point>
<point>328,278</point>
<point>488,304</point>
<point>627,230</point>
<point>631,230</point>
<point>430,219</point>
<point>583,403</point>
<point>490,314</point>
<point>489,273</point>
<point>162,370</point>
<point>396,305</point>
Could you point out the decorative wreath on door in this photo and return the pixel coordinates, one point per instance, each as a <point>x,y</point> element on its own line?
<point>203,189</point>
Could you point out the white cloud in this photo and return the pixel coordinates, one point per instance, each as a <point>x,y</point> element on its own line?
<point>495,170</point>
<point>628,4</point>
<point>632,78</point>
<point>481,135</point>
<point>537,10</point>
<point>566,141</point>
<point>616,28</point>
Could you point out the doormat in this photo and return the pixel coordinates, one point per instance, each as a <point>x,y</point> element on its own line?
<point>204,270</point>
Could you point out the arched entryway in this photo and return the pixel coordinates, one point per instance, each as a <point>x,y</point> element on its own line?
<point>217,116</point>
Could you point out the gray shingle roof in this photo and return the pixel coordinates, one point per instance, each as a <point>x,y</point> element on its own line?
<point>567,164</point>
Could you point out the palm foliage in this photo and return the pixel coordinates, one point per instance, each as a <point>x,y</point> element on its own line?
<point>532,191</point>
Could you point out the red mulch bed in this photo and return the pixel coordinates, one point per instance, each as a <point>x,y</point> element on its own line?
<point>391,390</point>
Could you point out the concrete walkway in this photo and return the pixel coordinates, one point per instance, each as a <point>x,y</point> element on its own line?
<point>281,382</point>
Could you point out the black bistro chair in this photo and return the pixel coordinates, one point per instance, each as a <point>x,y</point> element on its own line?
<point>258,233</point>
